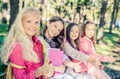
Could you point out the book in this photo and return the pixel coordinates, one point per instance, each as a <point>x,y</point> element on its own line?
<point>56,56</point>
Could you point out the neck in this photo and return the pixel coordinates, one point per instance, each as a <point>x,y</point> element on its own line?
<point>48,36</point>
<point>73,43</point>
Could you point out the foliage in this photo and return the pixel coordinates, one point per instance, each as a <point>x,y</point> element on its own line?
<point>3,29</point>
<point>1,5</point>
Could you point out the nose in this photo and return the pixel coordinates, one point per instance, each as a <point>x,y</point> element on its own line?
<point>33,25</point>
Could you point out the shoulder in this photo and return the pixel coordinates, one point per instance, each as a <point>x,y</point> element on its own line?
<point>17,55</point>
<point>16,47</point>
<point>16,52</point>
<point>67,45</point>
<point>43,41</point>
<point>84,44</point>
<point>40,38</point>
<point>84,40</point>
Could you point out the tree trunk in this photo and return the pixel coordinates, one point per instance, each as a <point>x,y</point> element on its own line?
<point>102,22</point>
<point>113,16</point>
<point>14,9</point>
<point>4,11</point>
<point>117,10</point>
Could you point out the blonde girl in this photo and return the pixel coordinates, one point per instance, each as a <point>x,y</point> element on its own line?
<point>23,49</point>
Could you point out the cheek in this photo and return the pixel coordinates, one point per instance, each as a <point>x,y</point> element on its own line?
<point>77,35</point>
<point>38,27</point>
<point>57,33</point>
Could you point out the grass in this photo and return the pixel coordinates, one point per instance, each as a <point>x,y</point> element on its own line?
<point>109,42</point>
<point>107,48</point>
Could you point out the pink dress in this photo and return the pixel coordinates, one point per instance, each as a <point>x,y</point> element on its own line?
<point>17,58</point>
<point>86,46</point>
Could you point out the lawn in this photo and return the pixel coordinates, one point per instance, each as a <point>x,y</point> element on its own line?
<point>107,48</point>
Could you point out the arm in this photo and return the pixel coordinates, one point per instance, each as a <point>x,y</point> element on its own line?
<point>70,51</point>
<point>16,58</point>
<point>32,70</point>
<point>104,58</point>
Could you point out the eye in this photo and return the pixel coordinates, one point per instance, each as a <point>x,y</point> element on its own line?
<point>55,26</point>
<point>59,30</point>
<point>36,22</point>
<point>28,21</point>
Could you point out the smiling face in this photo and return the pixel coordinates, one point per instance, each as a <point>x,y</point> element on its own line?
<point>54,29</point>
<point>31,23</point>
<point>74,32</point>
<point>90,30</point>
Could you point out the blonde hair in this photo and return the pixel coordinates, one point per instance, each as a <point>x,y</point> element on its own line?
<point>17,34</point>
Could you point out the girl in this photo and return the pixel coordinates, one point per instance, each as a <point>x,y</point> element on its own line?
<point>72,35</point>
<point>87,46</point>
<point>53,34</point>
<point>53,37</point>
<point>23,50</point>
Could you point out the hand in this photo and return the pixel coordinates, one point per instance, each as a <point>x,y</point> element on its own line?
<point>60,68</point>
<point>46,70</point>
<point>96,63</point>
<point>91,59</point>
<point>77,67</point>
<point>101,67</point>
<point>112,59</point>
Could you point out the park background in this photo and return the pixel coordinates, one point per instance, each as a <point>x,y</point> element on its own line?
<point>105,14</point>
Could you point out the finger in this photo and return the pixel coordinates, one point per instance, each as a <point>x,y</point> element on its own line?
<point>47,60</point>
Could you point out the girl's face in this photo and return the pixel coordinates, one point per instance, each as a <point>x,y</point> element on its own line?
<point>54,28</point>
<point>74,32</point>
<point>31,23</point>
<point>90,30</point>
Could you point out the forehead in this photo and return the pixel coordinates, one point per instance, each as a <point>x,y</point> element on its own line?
<point>59,24</point>
<point>90,26</point>
<point>75,27</point>
<point>31,14</point>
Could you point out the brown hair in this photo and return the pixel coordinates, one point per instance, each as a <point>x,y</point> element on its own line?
<point>83,30</point>
<point>68,29</point>
<point>61,37</point>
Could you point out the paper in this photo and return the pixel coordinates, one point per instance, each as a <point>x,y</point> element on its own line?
<point>56,56</point>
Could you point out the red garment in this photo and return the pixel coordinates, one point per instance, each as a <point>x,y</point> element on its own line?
<point>17,58</point>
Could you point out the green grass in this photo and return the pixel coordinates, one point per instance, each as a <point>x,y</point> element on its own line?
<point>109,42</point>
<point>3,29</point>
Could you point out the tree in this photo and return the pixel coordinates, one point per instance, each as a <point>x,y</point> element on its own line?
<point>14,9</point>
<point>4,11</point>
<point>114,14</point>
<point>102,22</point>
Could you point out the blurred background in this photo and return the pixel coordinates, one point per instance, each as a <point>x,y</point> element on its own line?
<point>105,14</point>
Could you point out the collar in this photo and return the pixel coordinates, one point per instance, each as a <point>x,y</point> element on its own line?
<point>34,38</point>
<point>47,39</point>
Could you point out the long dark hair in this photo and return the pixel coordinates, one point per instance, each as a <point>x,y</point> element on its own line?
<point>60,38</point>
<point>68,29</point>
